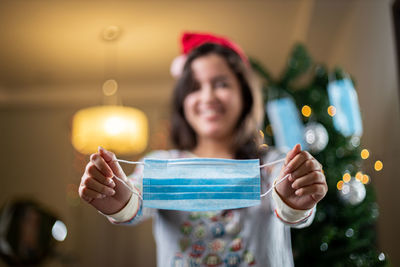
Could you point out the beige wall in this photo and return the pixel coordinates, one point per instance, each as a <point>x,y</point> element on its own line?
<point>35,111</point>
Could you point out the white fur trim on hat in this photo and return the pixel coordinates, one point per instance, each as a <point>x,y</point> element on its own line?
<point>177,66</point>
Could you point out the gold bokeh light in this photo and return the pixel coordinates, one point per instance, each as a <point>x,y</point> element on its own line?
<point>365,179</point>
<point>359,176</point>
<point>364,153</point>
<point>339,185</point>
<point>346,177</point>
<point>306,111</point>
<point>378,166</point>
<point>331,111</point>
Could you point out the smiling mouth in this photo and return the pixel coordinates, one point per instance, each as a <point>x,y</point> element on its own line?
<point>211,114</point>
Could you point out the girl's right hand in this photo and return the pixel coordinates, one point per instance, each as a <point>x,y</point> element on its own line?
<point>98,185</point>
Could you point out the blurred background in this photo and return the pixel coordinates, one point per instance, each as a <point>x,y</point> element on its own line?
<point>56,55</point>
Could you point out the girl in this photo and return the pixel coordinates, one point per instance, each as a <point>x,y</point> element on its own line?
<point>216,112</point>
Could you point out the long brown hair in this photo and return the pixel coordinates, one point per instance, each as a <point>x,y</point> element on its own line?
<point>246,141</point>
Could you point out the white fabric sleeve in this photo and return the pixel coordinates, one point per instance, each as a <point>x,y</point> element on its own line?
<point>128,212</point>
<point>287,214</point>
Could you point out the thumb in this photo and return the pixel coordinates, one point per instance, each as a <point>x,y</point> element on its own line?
<point>292,153</point>
<point>111,160</point>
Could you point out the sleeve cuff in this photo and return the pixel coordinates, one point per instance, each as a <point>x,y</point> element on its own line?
<point>128,212</point>
<point>288,214</point>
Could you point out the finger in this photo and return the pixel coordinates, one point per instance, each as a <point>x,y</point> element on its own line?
<point>292,153</point>
<point>316,191</point>
<point>299,159</point>
<point>99,187</point>
<point>314,177</point>
<point>308,166</point>
<point>92,171</point>
<point>101,165</point>
<point>87,199</point>
<point>111,160</point>
<point>89,193</point>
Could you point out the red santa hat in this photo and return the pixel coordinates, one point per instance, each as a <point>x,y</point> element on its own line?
<point>190,41</point>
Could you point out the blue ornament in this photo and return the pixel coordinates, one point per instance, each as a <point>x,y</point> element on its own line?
<point>286,124</point>
<point>343,97</point>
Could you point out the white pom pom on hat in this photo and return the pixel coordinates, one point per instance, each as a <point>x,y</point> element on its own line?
<point>177,66</point>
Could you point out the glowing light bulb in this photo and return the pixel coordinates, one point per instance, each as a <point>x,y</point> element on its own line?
<point>378,165</point>
<point>59,231</point>
<point>364,153</point>
<point>359,176</point>
<point>114,125</point>
<point>365,179</point>
<point>346,177</point>
<point>339,185</point>
<point>306,111</point>
<point>331,111</point>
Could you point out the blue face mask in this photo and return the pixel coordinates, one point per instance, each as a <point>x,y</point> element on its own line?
<point>201,184</point>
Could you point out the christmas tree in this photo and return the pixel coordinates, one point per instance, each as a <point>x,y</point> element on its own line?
<point>343,232</point>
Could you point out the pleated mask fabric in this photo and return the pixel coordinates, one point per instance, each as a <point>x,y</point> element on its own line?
<point>201,184</point>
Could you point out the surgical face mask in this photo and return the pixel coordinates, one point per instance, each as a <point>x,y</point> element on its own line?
<point>201,184</point>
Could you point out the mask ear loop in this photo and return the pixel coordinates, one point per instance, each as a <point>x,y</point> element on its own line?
<point>280,181</point>
<point>123,181</point>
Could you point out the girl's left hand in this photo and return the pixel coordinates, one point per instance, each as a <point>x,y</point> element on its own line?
<point>306,184</point>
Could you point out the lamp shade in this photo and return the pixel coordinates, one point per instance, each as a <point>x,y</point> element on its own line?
<point>122,130</point>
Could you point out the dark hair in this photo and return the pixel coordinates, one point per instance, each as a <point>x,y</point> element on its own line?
<point>245,140</point>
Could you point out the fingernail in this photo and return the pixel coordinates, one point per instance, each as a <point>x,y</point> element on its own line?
<point>286,170</point>
<point>110,182</point>
<point>293,186</point>
<point>297,192</point>
<point>102,196</point>
<point>100,148</point>
<point>110,191</point>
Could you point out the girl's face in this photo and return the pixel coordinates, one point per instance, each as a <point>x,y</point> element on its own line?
<point>214,106</point>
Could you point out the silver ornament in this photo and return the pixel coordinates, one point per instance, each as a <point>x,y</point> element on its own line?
<point>316,137</point>
<point>353,192</point>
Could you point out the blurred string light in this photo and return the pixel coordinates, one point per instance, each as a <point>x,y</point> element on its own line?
<point>339,185</point>
<point>324,247</point>
<point>364,153</point>
<point>306,111</point>
<point>262,146</point>
<point>346,177</point>
<point>378,166</point>
<point>261,134</point>
<point>359,176</point>
<point>381,256</point>
<point>349,232</point>
<point>59,231</point>
<point>331,111</point>
<point>365,179</point>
